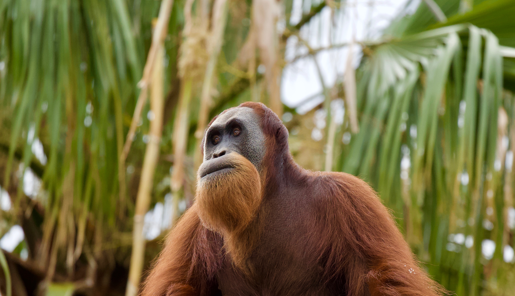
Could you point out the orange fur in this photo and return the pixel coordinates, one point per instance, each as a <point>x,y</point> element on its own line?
<point>186,264</point>
<point>229,202</point>
<point>367,245</point>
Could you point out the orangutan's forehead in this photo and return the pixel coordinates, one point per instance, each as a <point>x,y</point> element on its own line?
<point>245,114</point>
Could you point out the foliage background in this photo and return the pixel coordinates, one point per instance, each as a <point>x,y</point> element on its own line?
<point>427,118</point>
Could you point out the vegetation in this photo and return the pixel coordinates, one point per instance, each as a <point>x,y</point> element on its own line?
<point>429,122</point>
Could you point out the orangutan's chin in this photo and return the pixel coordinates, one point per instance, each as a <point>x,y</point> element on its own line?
<point>228,193</point>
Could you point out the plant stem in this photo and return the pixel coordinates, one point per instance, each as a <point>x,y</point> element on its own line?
<point>435,9</point>
<point>180,140</point>
<point>147,175</point>
<point>216,41</point>
<point>158,38</point>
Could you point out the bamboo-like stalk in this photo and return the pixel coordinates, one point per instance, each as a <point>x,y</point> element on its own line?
<point>191,65</point>
<point>180,140</point>
<point>215,45</point>
<point>157,41</point>
<point>142,99</point>
<point>147,175</point>
<point>265,14</point>
<point>275,90</point>
<point>330,145</point>
<point>350,88</point>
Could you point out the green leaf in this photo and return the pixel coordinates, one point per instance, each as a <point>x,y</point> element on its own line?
<point>60,289</point>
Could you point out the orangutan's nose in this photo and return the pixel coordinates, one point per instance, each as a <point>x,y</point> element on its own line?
<point>221,153</point>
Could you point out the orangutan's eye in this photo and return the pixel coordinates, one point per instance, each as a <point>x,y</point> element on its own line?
<point>236,131</point>
<point>215,139</point>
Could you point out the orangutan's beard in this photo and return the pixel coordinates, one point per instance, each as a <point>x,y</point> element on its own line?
<point>228,199</point>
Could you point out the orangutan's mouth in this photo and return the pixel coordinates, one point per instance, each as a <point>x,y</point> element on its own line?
<point>214,166</point>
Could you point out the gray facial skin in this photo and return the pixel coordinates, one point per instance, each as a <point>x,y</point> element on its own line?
<point>250,143</point>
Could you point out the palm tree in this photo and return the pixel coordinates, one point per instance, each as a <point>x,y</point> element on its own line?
<point>428,121</point>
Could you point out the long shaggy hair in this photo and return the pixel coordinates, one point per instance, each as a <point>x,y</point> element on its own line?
<point>228,202</point>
